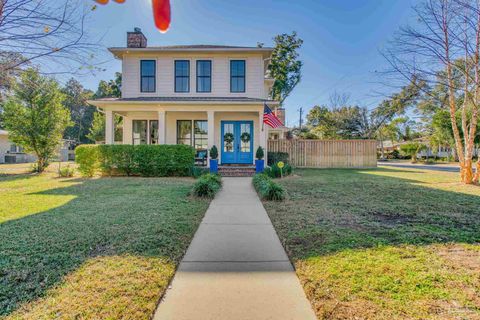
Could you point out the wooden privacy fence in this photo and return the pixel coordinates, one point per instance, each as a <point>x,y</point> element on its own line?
<point>328,153</point>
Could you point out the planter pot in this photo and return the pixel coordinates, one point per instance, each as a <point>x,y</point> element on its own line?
<point>259,166</point>
<point>213,165</point>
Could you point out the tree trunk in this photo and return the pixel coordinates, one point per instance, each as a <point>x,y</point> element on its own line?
<point>466,172</point>
<point>476,177</point>
<point>41,164</point>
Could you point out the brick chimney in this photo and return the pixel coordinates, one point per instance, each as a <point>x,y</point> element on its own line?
<point>136,39</point>
<point>280,113</point>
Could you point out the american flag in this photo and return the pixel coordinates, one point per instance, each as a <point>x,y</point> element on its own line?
<point>270,118</point>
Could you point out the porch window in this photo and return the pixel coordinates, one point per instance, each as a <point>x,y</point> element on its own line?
<point>204,76</point>
<point>193,133</point>
<point>184,132</point>
<point>182,76</point>
<point>153,131</point>
<point>201,135</point>
<point>237,76</point>
<point>140,132</point>
<point>147,74</point>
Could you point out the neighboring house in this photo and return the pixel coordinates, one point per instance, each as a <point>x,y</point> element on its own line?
<point>279,133</point>
<point>199,95</point>
<point>12,153</point>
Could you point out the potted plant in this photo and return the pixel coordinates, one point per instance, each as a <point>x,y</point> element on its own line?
<point>213,159</point>
<point>259,162</point>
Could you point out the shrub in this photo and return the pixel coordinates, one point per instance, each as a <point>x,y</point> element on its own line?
<point>214,153</point>
<point>144,160</point>
<point>207,185</point>
<point>275,172</point>
<point>274,157</point>
<point>117,159</point>
<point>66,172</point>
<point>259,154</point>
<point>267,188</point>
<point>87,157</point>
<point>197,172</point>
<point>164,160</point>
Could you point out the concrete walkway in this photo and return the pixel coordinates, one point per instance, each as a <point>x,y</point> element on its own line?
<point>235,267</point>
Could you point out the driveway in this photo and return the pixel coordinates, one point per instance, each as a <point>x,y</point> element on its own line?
<point>235,267</point>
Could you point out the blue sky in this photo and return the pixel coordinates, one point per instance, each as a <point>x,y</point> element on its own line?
<point>341,38</point>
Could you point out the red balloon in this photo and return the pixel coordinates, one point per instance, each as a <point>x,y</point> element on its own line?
<point>161,14</point>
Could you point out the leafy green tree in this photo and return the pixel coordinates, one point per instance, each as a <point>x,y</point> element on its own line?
<point>35,116</point>
<point>411,149</point>
<point>285,67</point>
<point>76,97</point>
<point>106,89</point>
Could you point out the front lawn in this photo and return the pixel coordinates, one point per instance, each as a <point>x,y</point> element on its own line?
<point>384,243</point>
<point>91,248</point>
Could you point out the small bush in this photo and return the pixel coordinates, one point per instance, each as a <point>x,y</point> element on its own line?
<point>267,188</point>
<point>275,172</point>
<point>87,157</point>
<point>274,157</point>
<point>214,153</point>
<point>207,185</point>
<point>66,172</point>
<point>259,154</point>
<point>197,172</point>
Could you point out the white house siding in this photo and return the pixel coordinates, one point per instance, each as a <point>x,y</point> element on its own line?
<point>165,75</point>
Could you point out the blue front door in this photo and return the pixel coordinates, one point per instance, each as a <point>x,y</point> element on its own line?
<point>237,142</point>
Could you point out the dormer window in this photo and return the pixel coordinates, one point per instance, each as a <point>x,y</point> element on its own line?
<point>147,75</point>
<point>182,76</point>
<point>237,76</point>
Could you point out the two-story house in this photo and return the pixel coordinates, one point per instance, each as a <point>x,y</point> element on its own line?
<point>199,95</point>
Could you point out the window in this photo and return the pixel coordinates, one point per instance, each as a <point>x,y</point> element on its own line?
<point>140,132</point>
<point>204,76</point>
<point>184,132</point>
<point>198,138</point>
<point>182,76</point>
<point>237,76</point>
<point>201,134</point>
<point>153,131</point>
<point>147,74</point>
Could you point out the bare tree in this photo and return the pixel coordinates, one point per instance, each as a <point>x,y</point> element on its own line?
<point>338,100</point>
<point>52,33</point>
<point>443,48</point>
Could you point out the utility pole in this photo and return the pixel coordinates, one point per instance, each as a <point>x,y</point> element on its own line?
<point>300,122</point>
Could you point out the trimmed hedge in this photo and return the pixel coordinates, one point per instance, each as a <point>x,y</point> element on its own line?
<point>274,157</point>
<point>274,171</point>
<point>207,185</point>
<point>142,160</point>
<point>87,158</point>
<point>267,188</point>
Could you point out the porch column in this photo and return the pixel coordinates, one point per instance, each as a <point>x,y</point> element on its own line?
<point>109,127</point>
<point>211,132</point>
<point>161,127</point>
<point>127,130</point>
<point>262,141</point>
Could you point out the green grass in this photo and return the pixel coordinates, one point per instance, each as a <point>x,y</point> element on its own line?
<point>384,243</point>
<point>91,248</point>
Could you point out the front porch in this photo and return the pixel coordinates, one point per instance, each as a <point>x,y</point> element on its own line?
<point>236,130</point>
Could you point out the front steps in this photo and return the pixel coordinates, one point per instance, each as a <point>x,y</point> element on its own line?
<point>236,171</point>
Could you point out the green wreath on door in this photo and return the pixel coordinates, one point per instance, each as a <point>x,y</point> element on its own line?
<point>245,137</point>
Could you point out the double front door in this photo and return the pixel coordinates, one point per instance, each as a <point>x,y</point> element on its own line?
<point>237,142</point>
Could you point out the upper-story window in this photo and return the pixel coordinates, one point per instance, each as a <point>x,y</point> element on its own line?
<point>237,76</point>
<point>204,76</point>
<point>147,75</point>
<point>182,76</point>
